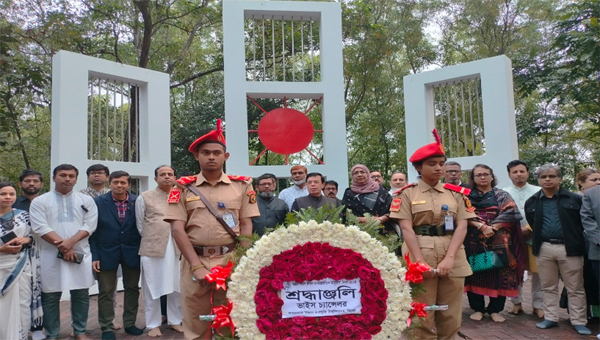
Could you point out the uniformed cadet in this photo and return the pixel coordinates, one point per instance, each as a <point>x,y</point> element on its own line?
<point>433,218</point>
<point>204,241</point>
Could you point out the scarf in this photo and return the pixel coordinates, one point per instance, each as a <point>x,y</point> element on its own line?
<point>32,254</point>
<point>508,215</point>
<point>369,186</point>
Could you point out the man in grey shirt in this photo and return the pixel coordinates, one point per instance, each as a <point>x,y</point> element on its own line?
<point>272,209</point>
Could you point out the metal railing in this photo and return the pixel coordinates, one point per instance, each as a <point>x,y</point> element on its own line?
<point>282,48</point>
<point>459,117</point>
<point>113,120</point>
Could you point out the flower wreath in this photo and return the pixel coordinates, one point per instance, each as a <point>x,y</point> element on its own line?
<point>312,251</point>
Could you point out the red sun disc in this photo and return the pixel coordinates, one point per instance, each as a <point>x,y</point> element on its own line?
<point>285,131</point>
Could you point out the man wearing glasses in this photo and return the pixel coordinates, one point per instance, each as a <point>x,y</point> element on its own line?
<point>272,209</point>
<point>558,246</point>
<point>97,177</point>
<point>378,177</point>
<point>453,173</point>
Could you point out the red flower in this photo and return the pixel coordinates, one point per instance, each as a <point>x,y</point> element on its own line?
<point>264,325</point>
<point>316,261</point>
<point>296,332</point>
<point>346,329</point>
<point>277,284</point>
<point>374,329</point>
<point>266,272</point>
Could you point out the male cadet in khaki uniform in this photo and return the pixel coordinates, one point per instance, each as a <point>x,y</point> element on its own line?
<point>433,218</point>
<point>203,241</point>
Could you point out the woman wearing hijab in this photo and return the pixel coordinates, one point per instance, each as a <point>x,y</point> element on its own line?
<point>365,196</point>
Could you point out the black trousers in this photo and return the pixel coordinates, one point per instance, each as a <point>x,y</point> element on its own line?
<point>477,303</point>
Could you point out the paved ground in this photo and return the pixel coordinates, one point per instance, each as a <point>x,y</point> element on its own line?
<point>520,327</point>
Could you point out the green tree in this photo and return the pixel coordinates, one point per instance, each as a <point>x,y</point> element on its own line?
<point>23,125</point>
<point>568,76</point>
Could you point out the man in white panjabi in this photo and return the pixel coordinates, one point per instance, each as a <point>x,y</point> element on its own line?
<point>65,219</point>
<point>520,191</point>
<point>299,188</point>
<point>159,254</point>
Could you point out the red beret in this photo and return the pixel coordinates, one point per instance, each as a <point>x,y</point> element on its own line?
<point>215,136</point>
<point>429,150</point>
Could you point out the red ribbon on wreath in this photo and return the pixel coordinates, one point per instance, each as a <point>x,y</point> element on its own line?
<point>219,275</point>
<point>418,310</point>
<point>415,270</point>
<point>222,318</point>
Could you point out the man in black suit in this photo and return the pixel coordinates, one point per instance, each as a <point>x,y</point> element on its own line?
<point>116,241</point>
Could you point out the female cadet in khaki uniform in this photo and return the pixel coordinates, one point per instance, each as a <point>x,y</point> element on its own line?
<point>433,218</point>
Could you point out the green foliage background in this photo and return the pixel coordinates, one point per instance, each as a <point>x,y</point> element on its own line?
<point>554,46</point>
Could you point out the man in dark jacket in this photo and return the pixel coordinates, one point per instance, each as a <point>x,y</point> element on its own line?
<point>117,241</point>
<point>315,199</point>
<point>558,246</point>
<point>272,209</point>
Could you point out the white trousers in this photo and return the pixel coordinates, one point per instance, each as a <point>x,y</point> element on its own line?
<point>152,312</point>
<point>536,292</point>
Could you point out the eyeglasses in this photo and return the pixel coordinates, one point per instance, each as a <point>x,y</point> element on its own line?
<point>375,176</point>
<point>482,175</point>
<point>94,173</point>
<point>548,176</point>
<point>452,171</point>
<point>329,189</point>
<point>262,185</point>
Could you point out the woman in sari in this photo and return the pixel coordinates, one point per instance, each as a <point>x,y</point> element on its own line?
<point>365,196</point>
<point>20,303</point>
<point>496,229</point>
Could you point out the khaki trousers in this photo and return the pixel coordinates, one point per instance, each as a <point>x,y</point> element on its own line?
<point>441,291</point>
<point>196,300</point>
<point>552,260</point>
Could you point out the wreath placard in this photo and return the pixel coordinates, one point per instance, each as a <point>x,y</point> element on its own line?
<point>313,252</point>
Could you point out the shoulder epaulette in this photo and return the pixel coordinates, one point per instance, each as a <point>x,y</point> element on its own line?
<point>246,179</point>
<point>457,188</point>
<point>187,180</point>
<point>404,187</point>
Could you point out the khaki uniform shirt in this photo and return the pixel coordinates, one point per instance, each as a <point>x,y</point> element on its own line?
<point>422,204</point>
<point>202,227</point>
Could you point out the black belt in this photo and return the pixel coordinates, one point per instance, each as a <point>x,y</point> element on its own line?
<point>431,230</point>
<point>555,241</point>
<point>215,250</point>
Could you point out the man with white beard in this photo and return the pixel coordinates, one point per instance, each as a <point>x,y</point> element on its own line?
<point>299,189</point>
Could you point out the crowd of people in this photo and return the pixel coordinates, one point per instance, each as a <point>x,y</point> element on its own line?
<point>169,238</point>
<point>66,240</point>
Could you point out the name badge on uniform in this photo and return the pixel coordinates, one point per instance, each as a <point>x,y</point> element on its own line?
<point>448,219</point>
<point>228,218</point>
<point>418,202</point>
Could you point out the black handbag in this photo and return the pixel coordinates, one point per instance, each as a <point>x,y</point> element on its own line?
<point>487,260</point>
